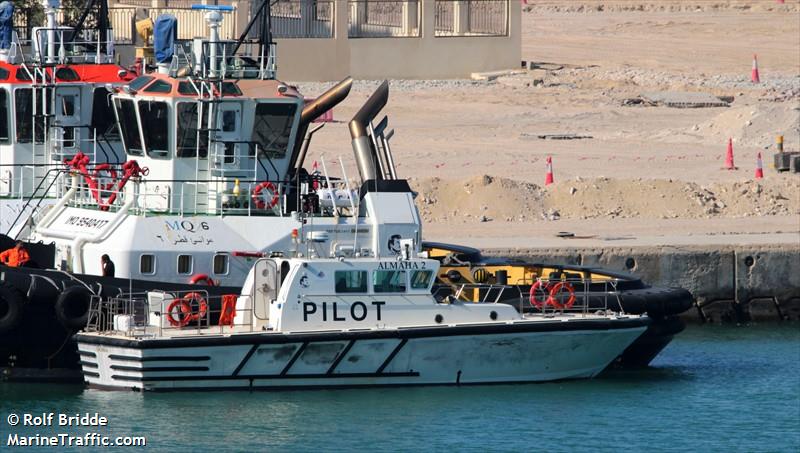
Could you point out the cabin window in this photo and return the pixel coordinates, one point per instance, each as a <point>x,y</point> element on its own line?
<point>159,86</point>
<point>188,132</point>
<point>3,74</point>
<point>128,127</point>
<point>228,121</point>
<point>389,281</point>
<point>272,127</point>
<point>67,74</point>
<point>155,123</point>
<point>221,264</point>
<point>139,82</point>
<point>230,89</point>
<point>4,116</point>
<point>23,103</point>
<point>103,115</point>
<point>184,264</point>
<point>351,281</point>
<point>23,74</point>
<point>187,88</point>
<point>147,264</point>
<point>421,279</point>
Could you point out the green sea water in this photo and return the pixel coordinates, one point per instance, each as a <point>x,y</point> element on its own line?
<point>713,389</point>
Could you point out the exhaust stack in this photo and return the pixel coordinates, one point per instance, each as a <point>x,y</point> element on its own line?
<point>366,156</point>
<point>314,110</point>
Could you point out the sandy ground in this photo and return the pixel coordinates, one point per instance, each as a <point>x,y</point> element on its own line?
<point>648,174</point>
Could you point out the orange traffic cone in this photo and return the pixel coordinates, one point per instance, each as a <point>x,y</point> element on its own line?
<point>729,157</point>
<point>754,75</point>
<point>548,179</point>
<point>759,167</point>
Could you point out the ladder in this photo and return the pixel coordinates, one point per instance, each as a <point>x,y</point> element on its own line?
<point>41,98</point>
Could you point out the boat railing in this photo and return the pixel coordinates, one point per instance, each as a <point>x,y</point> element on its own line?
<point>168,313</point>
<point>546,297</point>
<point>89,46</point>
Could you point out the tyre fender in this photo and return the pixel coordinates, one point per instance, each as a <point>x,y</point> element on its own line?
<point>72,307</point>
<point>12,303</point>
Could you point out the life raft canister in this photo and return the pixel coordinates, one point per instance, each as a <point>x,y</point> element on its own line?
<point>72,307</point>
<point>259,202</point>
<point>11,306</point>
<point>556,291</point>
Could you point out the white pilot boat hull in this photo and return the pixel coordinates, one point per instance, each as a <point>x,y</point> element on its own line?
<point>522,351</point>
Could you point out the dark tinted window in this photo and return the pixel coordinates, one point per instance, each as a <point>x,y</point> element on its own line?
<point>159,86</point>
<point>3,74</point>
<point>147,264</point>
<point>67,74</point>
<point>389,281</point>
<point>155,125</point>
<point>23,103</point>
<point>187,88</point>
<point>273,125</point>
<point>188,132</point>
<point>103,120</point>
<point>230,88</point>
<point>128,126</point>
<point>4,115</point>
<point>22,74</point>
<point>139,82</point>
<point>220,264</point>
<point>184,264</point>
<point>351,281</point>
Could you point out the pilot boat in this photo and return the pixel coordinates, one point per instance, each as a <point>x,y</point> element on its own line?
<point>54,104</point>
<point>341,322</point>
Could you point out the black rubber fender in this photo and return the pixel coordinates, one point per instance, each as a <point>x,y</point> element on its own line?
<point>12,304</point>
<point>72,307</point>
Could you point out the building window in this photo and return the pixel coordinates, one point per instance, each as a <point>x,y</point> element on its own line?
<point>421,279</point>
<point>351,281</point>
<point>220,264</point>
<point>384,19</point>
<point>389,281</point>
<point>184,264</point>
<point>471,18</point>
<point>147,264</point>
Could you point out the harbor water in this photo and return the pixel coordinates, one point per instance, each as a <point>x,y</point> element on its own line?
<point>715,388</point>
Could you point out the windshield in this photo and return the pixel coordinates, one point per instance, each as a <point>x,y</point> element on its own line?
<point>128,127</point>
<point>273,128</point>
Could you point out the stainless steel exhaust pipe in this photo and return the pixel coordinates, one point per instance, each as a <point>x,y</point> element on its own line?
<point>366,156</point>
<point>314,110</point>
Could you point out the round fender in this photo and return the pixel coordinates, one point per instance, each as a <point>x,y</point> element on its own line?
<point>72,307</point>
<point>11,305</point>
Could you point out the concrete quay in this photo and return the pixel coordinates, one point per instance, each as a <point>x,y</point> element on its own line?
<point>731,283</point>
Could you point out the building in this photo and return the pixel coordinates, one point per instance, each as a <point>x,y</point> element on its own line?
<point>323,40</point>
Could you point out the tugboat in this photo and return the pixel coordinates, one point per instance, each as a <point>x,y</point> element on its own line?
<point>341,322</point>
<point>53,104</point>
<point>215,182</point>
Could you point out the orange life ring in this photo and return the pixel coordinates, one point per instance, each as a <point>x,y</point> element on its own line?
<point>557,289</point>
<point>197,279</point>
<point>202,306</point>
<point>535,287</point>
<point>183,316</point>
<point>258,202</point>
<point>111,173</point>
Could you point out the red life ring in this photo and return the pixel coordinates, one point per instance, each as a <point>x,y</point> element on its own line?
<point>202,306</point>
<point>112,174</point>
<point>556,290</point>
<point>183,316</point>
<point>545,287</point>
<point>197,279</point>
<point>259,202</point>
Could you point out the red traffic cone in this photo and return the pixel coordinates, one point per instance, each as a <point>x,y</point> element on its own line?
<point>759,167</point>
<point>548,179</point>
<point>729,156</point>
<point>754,75</point>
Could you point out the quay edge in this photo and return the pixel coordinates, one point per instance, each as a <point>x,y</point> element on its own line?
<point>729,283</point>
